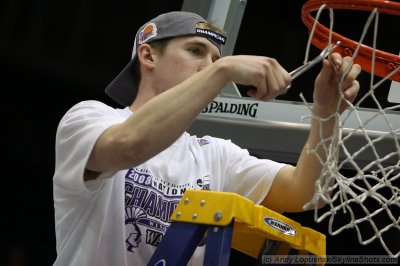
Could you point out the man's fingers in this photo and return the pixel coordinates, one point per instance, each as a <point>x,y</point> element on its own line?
<point>350,70</point>
<point>351,93</point>
<point>336,60</point>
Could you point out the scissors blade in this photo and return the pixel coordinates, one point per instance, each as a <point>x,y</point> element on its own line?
<point>304,68</point>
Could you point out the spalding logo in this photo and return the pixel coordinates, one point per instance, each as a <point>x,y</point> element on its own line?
<point>280,226</point>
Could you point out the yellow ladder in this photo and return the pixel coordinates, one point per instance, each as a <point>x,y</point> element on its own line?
<point>229,220</point>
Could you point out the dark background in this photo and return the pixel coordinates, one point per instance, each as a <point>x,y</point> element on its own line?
<point>54,54</point>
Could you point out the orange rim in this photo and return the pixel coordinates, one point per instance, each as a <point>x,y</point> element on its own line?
<point>385,62</point>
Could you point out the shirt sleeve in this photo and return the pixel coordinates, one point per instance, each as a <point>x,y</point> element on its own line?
<point>76,136</point>
<point>247,175</point>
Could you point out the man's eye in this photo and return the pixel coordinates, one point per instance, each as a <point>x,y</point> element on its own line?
<point>195,51</point>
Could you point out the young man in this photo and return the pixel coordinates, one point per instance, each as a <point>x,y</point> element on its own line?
<point>121,172</point>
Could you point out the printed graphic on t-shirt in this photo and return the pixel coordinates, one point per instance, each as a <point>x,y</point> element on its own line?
<point>204,183</point>
<point>203,141</point>
<point>149,203</point>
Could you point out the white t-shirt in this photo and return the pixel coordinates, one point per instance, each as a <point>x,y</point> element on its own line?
<point>119,218</point>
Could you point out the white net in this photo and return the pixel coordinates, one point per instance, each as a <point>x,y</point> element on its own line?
<point>367,198</point>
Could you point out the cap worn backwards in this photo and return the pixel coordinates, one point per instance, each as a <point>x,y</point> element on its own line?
<point>123,89</point>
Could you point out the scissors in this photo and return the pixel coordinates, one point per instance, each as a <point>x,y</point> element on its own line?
<point>302,69</point>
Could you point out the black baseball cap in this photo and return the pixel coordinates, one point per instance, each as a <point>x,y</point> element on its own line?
<point>123,89</point>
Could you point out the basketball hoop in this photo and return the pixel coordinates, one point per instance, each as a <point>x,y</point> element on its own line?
<point>367,201</point>
<point>386,64</point>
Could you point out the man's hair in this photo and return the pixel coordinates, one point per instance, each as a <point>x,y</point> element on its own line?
<point>210,26</point>
<point>160,46</point>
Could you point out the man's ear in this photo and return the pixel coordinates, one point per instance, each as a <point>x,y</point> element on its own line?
<point>145,55</point>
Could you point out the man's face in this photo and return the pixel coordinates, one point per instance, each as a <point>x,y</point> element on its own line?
<point>182,58</point>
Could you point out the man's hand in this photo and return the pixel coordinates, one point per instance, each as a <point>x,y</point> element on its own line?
<point>267,77</point>
<point>328,84</point>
